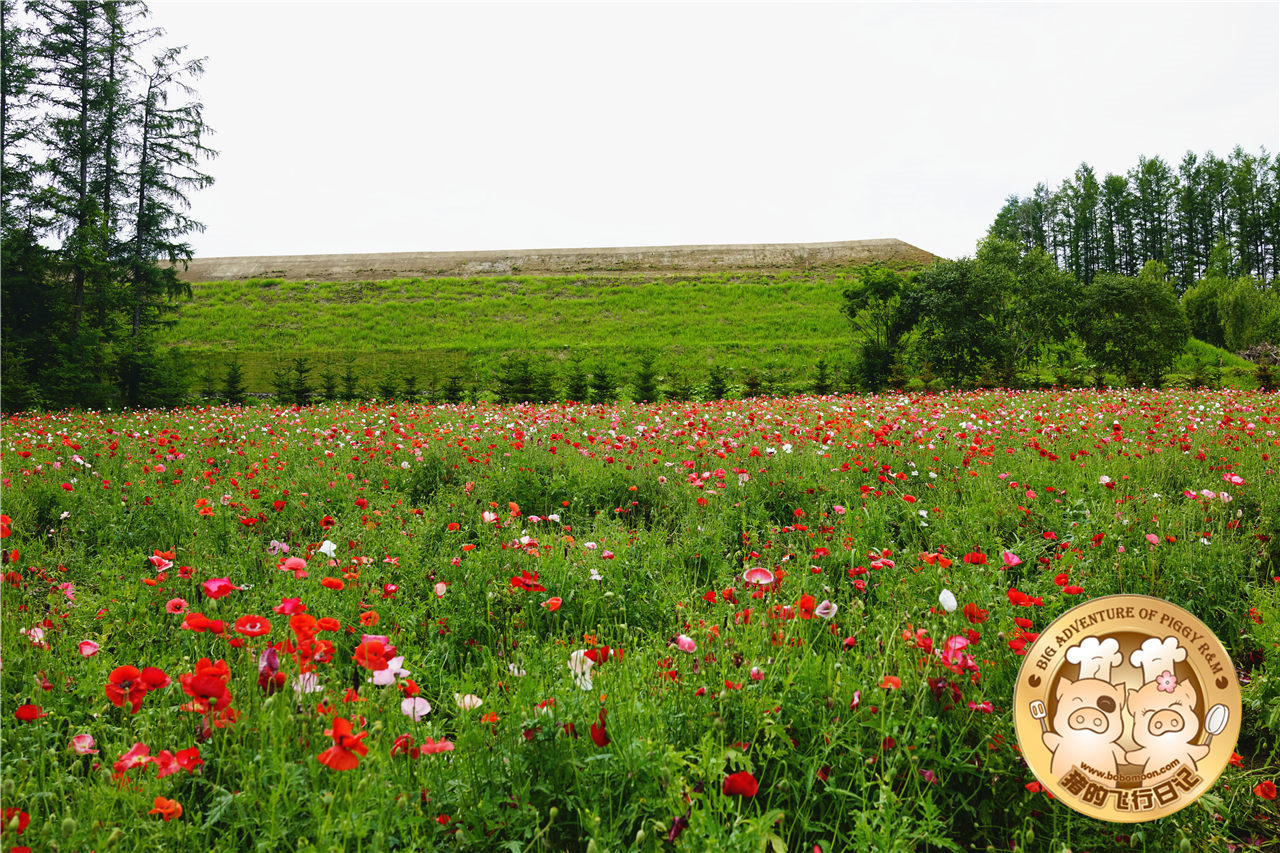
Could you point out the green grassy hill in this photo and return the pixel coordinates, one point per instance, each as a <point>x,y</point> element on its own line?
<point>775,325</point>
<point>778,323</point>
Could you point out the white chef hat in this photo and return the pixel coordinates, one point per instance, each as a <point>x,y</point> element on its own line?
<point>1096,657</point>
<point>1157,656</point>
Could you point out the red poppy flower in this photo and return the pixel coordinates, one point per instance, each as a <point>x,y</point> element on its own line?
<point>372,655</point>
<point>10,813</point>
<point>333,583</point>
<point>975,614</point>
<point>528,581</point>
<point>328,623</point>
<point>154,678</point>
<point>125,684</point>
<point>1266,790</point>
<point>740,784</point>
<point>303,625</point>
<point>252,626</point>
<point>167,809</point>
<point>346,746</point>
<point>598,733</point>
<point>29,713</point>
<point>369,618</point>
<point>207,686</point>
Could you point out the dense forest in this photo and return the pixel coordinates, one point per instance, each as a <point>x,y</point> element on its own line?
<point>103,140</point>
<point>1155,212</point>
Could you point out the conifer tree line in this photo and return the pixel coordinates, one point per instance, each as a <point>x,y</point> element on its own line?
<point>1157,212</point>
<point>104,139</point>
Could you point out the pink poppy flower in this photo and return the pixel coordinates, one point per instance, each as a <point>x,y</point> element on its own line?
<point>82,745</point>
<point>415,708</point>
<point>175,605</point>
<point>758,575</point>
<point>218,587</point>
<point>431,747</point>
<point>686,644</point>
<point>88,648</point>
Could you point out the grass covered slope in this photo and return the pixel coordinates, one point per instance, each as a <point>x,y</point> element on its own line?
<point>778,322</point>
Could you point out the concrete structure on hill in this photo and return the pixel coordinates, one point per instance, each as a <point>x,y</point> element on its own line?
<point>641,259</point>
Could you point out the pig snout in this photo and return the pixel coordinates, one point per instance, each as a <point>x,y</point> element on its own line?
<point>1088,719</point>
<point>1165,722</point>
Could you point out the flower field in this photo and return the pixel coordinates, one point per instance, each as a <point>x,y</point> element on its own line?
<point>778,623</point>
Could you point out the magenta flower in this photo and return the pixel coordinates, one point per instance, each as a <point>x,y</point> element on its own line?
<point>218,587</point>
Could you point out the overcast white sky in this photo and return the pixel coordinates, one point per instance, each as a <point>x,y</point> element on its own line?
<point>387,127</point>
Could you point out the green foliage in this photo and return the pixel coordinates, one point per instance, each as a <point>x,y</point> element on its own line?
<point>350,381</point>
<point>233,390</point>
<point>300,388</point>
<point>959,307</point>
<point>328,382</point>
<point>100,153</point>
<point>1133,325</point>
<point>645,386</point>
<point>577,383</point>
<point>1153,212</point>
<point>1201,305</point>
<point>388,385</point>
<point>822,378</point>
<point>466,325</point>
<point>717,386</point>
<point>603,387</point>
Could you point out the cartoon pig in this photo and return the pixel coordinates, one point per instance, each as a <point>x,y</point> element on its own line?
<point>1164,724</point>
<point>1086,726</point>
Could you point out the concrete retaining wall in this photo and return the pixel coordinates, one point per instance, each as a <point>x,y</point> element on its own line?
<point>642,259</point>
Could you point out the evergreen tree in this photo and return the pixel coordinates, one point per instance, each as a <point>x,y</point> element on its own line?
<point>453,391</point>
<point>603,387</point>
<point>410,393</point>
<point>96,164</point>
<point>388,386</point>
<point>717,387</point>
<point>350,382</point>
<point>577,383</point>
<point>822,381</point>
<point>233,388</point>
<point>168,151</point>
<point>328,381</point>
<point>300,389</point>
<point>646,381</point>
<point>18,120</point>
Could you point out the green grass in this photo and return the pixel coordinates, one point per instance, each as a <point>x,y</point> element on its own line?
<point>779,323</point>
<point>775,325</point>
